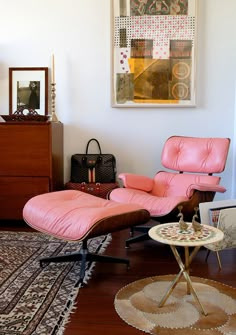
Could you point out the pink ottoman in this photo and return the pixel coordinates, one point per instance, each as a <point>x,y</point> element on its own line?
<point>76,216</point>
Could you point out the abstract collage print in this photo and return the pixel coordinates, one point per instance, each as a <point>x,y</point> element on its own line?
<point>154,51</point>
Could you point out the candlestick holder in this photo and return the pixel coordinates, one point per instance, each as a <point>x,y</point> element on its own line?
<point>53,102</point>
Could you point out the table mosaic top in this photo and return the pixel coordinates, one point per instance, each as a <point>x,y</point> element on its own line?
<point>170,233</point>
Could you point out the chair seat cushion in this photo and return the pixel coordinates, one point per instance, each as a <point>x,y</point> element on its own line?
<point>157,206</point>
<point>74,215</point>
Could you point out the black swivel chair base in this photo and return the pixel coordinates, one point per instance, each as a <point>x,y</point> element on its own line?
<point>142,237</point>
<point>83,255</point>
<point>138,238</point>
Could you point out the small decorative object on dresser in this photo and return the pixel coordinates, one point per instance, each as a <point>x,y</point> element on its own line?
<point>25,114</point>
<point>53,92</point>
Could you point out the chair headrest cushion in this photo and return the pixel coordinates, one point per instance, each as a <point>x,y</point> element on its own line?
<point>194,154</point>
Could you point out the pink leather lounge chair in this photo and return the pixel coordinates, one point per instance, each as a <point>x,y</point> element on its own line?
<point>188,180</point>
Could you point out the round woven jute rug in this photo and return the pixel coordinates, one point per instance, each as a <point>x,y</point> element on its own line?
<point>137,305</point>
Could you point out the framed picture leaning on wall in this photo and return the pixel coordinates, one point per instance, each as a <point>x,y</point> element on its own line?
<point>28,88</point>
<point>154,53</point>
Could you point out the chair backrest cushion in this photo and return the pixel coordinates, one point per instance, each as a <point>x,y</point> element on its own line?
<point>193,154</point>
<point>167,184</point>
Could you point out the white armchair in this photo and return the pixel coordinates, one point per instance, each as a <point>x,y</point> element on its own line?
<point>222,214</point>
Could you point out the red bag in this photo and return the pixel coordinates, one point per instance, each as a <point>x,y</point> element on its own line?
<point>98,189</point>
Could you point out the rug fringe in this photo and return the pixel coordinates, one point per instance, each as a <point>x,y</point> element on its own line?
<point>106,241</point>
<point>71,308</point>
<point>67,312</point>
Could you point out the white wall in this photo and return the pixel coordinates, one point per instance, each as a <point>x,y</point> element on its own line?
<point>78,33</point>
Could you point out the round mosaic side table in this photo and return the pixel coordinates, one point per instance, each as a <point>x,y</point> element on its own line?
<point>171,234</point>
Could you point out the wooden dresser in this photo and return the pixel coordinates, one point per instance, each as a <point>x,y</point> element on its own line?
<point>31,162</point>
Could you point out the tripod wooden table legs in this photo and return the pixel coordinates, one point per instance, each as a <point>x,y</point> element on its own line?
<point>184,271</point>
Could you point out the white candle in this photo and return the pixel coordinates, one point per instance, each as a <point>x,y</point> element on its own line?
<point>53,70</point>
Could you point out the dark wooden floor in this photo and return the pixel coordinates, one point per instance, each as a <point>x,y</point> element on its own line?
<point>95,313</point>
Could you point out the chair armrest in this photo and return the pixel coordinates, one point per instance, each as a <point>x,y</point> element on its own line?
<point>204,188</point>
<point>135,181</point>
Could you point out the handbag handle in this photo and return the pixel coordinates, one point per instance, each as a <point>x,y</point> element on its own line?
<point>87,146</point>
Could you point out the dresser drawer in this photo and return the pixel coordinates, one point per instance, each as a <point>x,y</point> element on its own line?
<point>26,150</point>
<point>16,191</point>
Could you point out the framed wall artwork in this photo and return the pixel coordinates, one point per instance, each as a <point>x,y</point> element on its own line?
<point>28,89</point>
<point>154,53</point>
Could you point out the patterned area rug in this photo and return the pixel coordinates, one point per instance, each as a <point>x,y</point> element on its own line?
<point>36,300</point>
<point>137,305</point>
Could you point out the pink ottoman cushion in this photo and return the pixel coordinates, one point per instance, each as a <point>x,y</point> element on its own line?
<point>73,215</point>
